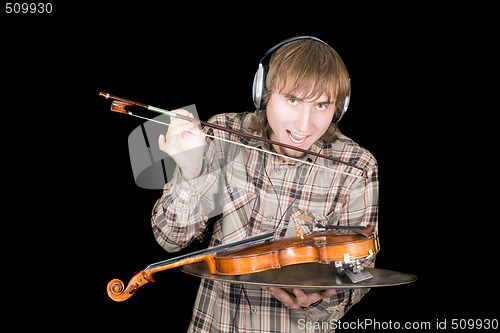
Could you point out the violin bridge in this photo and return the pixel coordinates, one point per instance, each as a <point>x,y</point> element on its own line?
<point>298,227</point>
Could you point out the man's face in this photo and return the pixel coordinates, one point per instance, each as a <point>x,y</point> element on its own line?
<point>298,122</point>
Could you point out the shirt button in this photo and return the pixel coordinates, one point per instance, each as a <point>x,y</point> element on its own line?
<point>254,310</point>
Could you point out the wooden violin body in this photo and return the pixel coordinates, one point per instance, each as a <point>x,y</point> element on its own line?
<point>322,247</point>
<point>232,259</point>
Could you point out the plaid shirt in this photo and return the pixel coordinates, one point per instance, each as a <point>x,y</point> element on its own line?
<point>252,192</point>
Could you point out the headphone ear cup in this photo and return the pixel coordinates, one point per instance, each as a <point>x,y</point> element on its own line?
<point>258,86</point>
<point>346,104</point>
<point>343,109</point>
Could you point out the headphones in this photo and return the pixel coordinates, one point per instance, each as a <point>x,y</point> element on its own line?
<point>259,80</point>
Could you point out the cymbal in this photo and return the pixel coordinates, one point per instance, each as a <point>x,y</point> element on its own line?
<point>312,277</point>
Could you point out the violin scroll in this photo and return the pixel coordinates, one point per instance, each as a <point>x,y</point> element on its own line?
<point>117,291</point>
<point>115,288</point>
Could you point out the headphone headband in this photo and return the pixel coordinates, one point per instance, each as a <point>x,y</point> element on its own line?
<point>286,41</point>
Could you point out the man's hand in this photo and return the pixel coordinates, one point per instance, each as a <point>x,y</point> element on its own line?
<point>300,299</point>
<point>185,144</point>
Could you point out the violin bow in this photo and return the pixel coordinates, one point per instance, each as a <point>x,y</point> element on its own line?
<point>119,104</point>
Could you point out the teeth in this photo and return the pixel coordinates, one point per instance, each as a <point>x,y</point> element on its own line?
<point>296,138</point>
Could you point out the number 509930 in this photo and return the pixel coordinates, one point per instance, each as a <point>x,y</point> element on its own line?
<point>28,8</point>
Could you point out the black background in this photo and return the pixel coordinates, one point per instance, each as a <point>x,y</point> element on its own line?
<point>81,220</point>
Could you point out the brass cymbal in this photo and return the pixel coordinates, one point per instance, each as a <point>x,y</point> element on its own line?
<point>305,276</point>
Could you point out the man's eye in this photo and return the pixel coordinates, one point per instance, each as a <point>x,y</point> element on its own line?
<point>322,106</point>
<point>293,101</point>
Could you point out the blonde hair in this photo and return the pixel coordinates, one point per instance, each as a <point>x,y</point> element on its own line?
<point>307,69</point>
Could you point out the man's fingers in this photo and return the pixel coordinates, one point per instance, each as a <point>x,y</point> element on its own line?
<point>299,298</point>
<point>161,142</point>
<point>283,296</point>
<point>327,293</point>
<point>305,300</point>
<point>184,123</point>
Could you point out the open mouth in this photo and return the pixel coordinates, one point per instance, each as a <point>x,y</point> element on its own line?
<point>296,138</point>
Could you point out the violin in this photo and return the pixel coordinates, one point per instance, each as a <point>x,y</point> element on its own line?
<point>250,256</point>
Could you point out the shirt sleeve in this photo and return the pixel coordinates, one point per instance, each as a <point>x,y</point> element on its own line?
<point>182,212</point>
<point>361,209</point>
<point>361,205</point>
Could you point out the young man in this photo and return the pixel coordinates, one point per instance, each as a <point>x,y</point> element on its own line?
<point>253,192</point>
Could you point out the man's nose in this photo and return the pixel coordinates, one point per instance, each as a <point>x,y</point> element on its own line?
<point>303,120</point>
